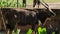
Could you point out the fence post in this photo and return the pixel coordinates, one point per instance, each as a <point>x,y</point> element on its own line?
<point>17,3</point>
<point>6,3</point>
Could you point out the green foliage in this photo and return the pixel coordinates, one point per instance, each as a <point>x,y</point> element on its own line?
<point>53,32</point>
<point>42,30</point>
<point>2,4</point>
<point>29,31</point>
<point>10,3</point>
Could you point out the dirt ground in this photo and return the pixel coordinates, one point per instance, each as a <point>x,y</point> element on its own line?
<point>51,5</point>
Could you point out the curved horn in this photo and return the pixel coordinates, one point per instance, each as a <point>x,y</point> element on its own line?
<point>54,14</point>
<point>45,3</point>
<point>47,6</point>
